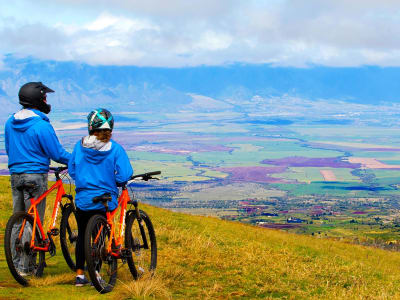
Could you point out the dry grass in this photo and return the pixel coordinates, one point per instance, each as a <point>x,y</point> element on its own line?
<point>206,258</point>
<point>145,288</point>
<point>65,278</point>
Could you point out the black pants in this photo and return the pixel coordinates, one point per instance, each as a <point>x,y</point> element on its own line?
<point>82,218</point>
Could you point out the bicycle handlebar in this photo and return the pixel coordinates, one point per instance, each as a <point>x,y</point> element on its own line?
<point>146,176</point>
<point>58,169</point>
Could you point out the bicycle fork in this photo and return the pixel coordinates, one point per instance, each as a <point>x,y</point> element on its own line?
<point>141,228</point>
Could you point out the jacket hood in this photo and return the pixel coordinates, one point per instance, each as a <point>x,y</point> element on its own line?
<point>92,155</point>
<point>26,118</point>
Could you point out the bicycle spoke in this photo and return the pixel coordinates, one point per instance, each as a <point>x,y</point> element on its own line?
<point>23,262</point>
<point>140,238</point>
<point>102,267</point>
<point>68,235</point>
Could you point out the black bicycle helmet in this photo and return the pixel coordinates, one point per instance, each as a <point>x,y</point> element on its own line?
<point>100,119</point>
<point>33,94</point>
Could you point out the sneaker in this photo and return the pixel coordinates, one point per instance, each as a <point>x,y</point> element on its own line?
<point>81,282</point>
<point>23,273</point>
<point>101,281</point>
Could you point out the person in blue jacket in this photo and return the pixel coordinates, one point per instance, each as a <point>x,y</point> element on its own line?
<point>97,165</point>
<point>31,142</point>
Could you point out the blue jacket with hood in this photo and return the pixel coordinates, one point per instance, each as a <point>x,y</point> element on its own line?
<point>31,142</point>
<point>97,172</point>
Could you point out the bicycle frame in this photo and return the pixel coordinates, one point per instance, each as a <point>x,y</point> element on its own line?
<point>36,221</point>
<point>118,240</point>
<point>122,202</point>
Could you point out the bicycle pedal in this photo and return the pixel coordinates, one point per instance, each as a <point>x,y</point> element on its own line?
<point>55,232</point>
<point>125,253</point>
<point>52,246</point>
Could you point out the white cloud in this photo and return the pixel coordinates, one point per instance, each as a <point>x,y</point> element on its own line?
<point>212,41</point>
<point>106,20</point>
<point>159,8</point>
<point>186,33</point>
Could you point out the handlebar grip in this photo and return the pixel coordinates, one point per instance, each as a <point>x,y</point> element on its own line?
<point>146,175</point>
<point>153,173</point>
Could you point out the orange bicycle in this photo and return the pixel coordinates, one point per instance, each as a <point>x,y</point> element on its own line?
<point>25,241</point>
<point>103,246</point>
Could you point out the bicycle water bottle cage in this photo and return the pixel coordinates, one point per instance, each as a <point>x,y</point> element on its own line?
<point>103,199</point>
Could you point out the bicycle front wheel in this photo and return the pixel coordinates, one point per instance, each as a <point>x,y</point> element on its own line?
<point>69,235</point>
<point>23,262</point>
<point>141,239</point>
<point>102,266</point>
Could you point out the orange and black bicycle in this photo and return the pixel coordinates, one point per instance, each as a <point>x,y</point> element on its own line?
<point>106,241</point>
<point>25,241</point>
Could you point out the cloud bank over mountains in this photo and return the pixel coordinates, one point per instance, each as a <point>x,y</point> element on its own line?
<point>180,33</point>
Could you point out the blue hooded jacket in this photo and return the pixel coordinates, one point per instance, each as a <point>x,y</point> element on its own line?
<point>31,142</point>
<point>97,172</point>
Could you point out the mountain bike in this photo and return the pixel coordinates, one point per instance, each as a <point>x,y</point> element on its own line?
<point>25,242</point>
<point>135,245</point>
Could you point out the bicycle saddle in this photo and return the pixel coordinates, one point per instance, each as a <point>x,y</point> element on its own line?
<point>29,186</point>
<point>103,198</point>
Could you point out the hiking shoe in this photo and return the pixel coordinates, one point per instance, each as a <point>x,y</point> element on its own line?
<point>102,282</point>
<point>23,273</point>
<point>81,282</point>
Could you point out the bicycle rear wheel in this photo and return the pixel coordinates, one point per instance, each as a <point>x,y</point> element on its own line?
<point>141,239</point>
<point>23,262</point>
<point>102,266</point>
<point>69,235</point>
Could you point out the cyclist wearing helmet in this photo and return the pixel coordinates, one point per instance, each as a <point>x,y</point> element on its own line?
<point>97,164</point>
<point>31,142</point>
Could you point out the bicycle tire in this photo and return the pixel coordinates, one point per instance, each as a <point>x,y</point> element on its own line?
<point>141,261</point>
<point>23,248</point>
<point>102,267</point>
<point>68,235</point>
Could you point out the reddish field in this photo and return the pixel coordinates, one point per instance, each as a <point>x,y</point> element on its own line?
<point>328,175</point>
<point>372,163</point>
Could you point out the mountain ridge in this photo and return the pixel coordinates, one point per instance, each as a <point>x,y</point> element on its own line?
<point>150,88</point>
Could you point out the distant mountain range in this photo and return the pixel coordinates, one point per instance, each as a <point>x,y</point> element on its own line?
<point>80,86</point>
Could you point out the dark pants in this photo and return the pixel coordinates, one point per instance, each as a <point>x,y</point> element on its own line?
<point>21,199</point>
<point>82,218</point>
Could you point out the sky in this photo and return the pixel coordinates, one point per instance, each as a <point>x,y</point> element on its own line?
<point>180,33</point>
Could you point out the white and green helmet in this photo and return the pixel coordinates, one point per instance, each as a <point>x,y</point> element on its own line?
<point>100,119</point>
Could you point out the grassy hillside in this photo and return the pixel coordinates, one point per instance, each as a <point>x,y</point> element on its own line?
<point>202,257</point>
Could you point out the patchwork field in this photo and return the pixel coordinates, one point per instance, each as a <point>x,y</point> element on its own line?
<point>213,162</point>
